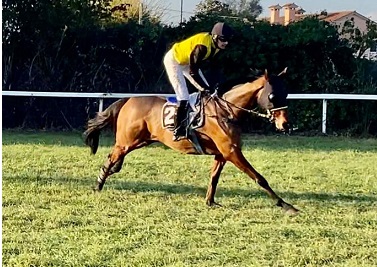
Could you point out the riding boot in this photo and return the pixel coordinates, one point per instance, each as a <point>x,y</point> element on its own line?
<point>180,117</point>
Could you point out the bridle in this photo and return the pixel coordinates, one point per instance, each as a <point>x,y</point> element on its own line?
<point>269,112</point>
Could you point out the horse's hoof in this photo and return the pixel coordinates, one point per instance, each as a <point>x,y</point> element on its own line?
<point>292,212</point>
<point>96,190</point>
<point>213,204</point>
<point>288,209</point>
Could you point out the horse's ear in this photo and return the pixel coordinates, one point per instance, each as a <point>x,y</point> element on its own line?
<point>283,72</point>
<point>266,74</point>
<point>255,72</point>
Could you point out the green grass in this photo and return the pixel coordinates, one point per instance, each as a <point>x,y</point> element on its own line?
<point>153,212</point>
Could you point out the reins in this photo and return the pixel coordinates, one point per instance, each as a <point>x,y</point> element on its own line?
<point>259,114</point>
<point>268,116</point>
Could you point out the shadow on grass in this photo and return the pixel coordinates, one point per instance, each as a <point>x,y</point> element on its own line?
<point>187,189</point>
<point>272,142</point>
<point>252,193</point>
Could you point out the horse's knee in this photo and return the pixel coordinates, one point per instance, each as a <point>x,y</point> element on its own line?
<point>231,153</point>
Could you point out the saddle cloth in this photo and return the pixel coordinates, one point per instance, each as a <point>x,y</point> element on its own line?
<point>194,115</point>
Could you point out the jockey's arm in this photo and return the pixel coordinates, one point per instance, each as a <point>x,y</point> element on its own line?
<point>196,58</point>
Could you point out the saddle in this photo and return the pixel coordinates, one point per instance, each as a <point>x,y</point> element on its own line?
<point>194,117</point>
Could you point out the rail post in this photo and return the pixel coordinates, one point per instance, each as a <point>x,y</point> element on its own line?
<point>100,106</point>
<point>324,115</point>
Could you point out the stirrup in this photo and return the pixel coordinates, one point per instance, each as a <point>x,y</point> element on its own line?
<point>177,138</point>
<point>179,134</point>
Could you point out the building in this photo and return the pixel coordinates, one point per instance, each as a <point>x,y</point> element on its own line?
<point>290,12</point>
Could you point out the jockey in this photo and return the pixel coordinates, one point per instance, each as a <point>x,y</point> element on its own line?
<point>184,60</point>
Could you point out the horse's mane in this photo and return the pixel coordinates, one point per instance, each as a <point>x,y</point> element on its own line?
<point>229,84</point>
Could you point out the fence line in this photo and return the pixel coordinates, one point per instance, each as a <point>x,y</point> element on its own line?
<point>102,96</point>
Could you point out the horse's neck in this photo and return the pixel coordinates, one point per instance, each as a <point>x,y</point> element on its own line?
<point>245,95</point>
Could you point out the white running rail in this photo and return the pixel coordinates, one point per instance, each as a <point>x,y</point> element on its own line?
<point>102,96</point>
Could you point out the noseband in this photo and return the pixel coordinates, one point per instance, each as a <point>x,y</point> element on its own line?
<point>270,113</point>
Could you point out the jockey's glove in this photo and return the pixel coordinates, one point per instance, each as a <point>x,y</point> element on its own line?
<point>205,88</point>
<point>205,92</point>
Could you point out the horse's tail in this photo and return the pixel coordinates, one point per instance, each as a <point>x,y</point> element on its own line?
<point>103,119</point>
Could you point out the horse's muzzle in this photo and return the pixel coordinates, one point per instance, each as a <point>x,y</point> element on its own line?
<point>280,117</point>
<point>286,127</point>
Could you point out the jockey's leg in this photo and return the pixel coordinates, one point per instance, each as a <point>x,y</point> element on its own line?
<point>180,117</point>
<point>176,76</point>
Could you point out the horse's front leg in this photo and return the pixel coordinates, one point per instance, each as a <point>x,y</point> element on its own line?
<point>238,159</point>
<point>112,165</point>
<point>218,166</point>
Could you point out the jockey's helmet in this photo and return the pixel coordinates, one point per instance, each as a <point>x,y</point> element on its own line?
<point>221,29</point>
<point>221,34</point>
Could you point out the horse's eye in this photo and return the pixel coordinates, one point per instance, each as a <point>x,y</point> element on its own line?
<point>271,96</point>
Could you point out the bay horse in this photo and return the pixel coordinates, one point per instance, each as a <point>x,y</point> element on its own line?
<point>136,122</point>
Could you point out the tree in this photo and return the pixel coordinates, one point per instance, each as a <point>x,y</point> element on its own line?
<point>208,7</point>
<point>242,9</point>
<point>35,29</point>
<point>125,10</point>
<point>249,9</point>
<point>358,40</point>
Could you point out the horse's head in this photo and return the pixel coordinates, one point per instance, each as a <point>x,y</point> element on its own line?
<point>273,98</point>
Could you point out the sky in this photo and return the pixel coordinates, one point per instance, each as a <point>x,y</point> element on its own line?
<point>367,8</point>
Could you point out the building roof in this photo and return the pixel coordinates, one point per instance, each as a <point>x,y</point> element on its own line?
<point>334,16</point>
<point>290,5</point>
<point>331,17</point>
<point>275,7</point>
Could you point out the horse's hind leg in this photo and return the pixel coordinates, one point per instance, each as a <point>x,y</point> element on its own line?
<point>115,160</point>
<point>112,165</point>
<point>117,166</point>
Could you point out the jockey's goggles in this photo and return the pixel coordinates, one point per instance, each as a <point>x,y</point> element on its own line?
<point>223,39</point>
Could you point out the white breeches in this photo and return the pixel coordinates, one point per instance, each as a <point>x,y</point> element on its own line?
<point>177,74</point>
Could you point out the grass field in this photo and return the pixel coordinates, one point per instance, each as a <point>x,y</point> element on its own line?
<point>153,212</point>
